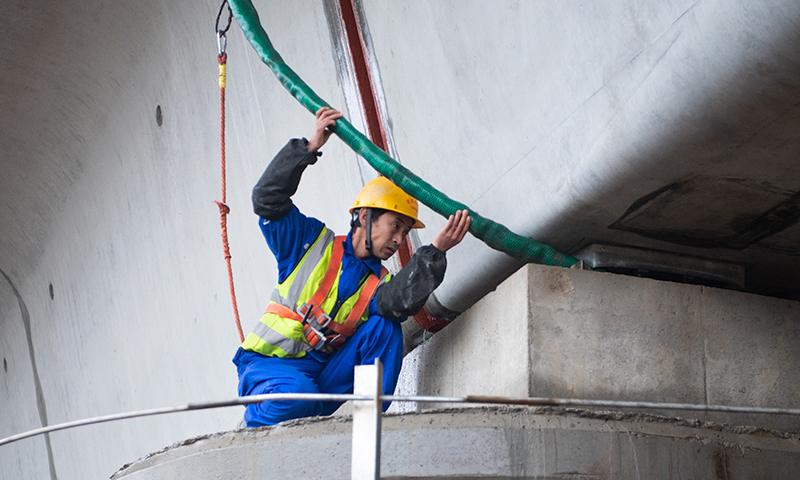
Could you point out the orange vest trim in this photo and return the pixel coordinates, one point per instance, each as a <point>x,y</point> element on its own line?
<point>312,309</point>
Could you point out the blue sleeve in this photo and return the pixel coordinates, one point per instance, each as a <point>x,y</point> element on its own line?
<point>289,238</point>
<point>373,306</point>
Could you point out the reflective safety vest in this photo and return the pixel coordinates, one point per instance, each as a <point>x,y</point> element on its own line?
<point>297,319</point>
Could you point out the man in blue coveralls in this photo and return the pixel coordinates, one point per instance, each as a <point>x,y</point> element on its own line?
<point>334,306</point>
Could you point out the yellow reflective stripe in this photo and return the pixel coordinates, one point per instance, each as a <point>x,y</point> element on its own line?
<point>254,344</point>
<point>344,310</point>
<point>283,288</point>
<point>310,266</point>
<point>348,305</point>
<point>315,278</point>
<point>277,336</point>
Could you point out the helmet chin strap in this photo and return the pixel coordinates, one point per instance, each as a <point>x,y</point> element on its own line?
<point>368,238</point>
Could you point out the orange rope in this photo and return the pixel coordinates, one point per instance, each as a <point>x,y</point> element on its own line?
<point>224,210</point>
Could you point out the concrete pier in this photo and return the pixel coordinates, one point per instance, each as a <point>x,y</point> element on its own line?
<point>520,443</point>
<point>554,332</point>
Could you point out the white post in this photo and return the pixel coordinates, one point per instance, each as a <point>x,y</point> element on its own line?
<point>366,454</point>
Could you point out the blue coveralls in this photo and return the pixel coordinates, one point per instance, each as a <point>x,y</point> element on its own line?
<point>317,372</point>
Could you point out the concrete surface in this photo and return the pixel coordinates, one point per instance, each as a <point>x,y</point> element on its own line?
<point>553,332</point>
<point>117,214</point>
<point>521,443</point>
<point>551,117</point>
<point>571,112</point>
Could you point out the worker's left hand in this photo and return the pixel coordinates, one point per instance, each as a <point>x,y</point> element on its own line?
<point>455,230</point>
<point>326,117</point>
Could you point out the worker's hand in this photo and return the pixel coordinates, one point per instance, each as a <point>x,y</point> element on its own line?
<point>452,233</point>
<point>326,117</point>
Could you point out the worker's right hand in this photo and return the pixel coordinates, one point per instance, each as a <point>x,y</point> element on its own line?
<point>326,117</point>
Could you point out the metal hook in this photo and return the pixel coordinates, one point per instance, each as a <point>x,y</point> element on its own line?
<point>222,42</point>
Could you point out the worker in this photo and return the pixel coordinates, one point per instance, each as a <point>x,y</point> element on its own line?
<point>324,319</point>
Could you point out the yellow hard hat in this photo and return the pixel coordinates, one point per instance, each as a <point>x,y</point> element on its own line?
<point>382,193</point>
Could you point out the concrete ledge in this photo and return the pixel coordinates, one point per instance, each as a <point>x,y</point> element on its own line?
<point>563,333</point>
<point>486,443</point>
<point>554,332</point>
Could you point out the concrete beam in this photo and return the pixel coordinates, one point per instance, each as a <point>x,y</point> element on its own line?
<point>554,332</point>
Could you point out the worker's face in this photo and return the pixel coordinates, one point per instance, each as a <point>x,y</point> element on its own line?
<point>389,233</point>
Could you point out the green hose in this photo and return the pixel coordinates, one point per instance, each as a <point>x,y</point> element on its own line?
<point>492,233</point>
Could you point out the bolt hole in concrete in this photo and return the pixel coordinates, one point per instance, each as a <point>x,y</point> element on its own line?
<point>159,117</point>
<point>52,294</point>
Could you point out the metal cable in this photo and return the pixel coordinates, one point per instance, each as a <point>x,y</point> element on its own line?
<point>321,397</point>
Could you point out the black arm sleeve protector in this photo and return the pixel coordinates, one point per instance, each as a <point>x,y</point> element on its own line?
<point>271,195</point>
<point>406,293</point>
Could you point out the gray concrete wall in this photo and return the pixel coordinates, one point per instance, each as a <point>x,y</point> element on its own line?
<point>571,111</point>
<point>550,117</point>
<point>552,332</point>
<point>124,228</point>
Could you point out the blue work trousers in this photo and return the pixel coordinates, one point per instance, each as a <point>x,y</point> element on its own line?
<point>376,338</point>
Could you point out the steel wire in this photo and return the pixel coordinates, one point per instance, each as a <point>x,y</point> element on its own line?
<point>477,399</point>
